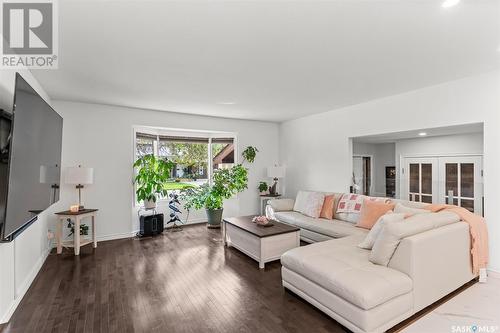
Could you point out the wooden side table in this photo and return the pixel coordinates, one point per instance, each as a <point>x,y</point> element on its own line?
<point>78,241</point>
<point>264,199</point>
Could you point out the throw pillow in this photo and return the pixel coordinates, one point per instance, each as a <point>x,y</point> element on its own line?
<point>374,232</point>
<point>408,210</point>
<point>327,209</point>
<point>314,204</point>
<point>393,232</point>
<point>350,203</point>
<point>301,201</point>
<point>371,212</point>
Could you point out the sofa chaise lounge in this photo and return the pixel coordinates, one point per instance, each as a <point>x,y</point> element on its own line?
<point>337,276</point>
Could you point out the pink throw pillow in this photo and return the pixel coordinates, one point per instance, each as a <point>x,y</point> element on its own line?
<point>327,210</point>
<point>371,212</point>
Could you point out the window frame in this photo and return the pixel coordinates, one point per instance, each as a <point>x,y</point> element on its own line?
<point>180,133</point>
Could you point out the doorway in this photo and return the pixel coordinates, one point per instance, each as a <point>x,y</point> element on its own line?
<point>362,174</point>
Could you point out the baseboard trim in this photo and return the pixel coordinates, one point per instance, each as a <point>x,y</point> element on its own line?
<point>20,292</point>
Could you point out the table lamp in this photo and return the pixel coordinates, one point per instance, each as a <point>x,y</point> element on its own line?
<point>275,172</point>
<point>79,176</point>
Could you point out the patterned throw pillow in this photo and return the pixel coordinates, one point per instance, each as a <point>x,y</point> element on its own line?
<point>352,203</point>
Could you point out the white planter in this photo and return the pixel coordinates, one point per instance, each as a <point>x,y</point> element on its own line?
<point>149,204</point>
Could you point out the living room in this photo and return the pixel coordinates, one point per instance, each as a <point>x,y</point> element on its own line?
<point>304,86</point>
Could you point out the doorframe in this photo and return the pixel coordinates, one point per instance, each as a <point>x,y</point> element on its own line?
<point>371,169</point>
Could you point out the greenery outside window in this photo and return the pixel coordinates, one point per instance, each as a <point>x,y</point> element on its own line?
<point>194,157</point>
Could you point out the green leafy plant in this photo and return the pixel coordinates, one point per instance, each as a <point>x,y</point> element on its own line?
<point>263,187</point>
<point>152,175</point>
<point>84,229</point>
<point>249,154</point>
<point>226,183</point>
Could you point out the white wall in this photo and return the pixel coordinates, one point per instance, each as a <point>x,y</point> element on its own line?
<point>461,144</point>
<point>317,153</point>
<point>21,259</point>
<point>101,137</point>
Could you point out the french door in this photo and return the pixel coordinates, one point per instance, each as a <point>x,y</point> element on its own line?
<point>421,183</point>
<point>462,182</point>
<point>442,179</point>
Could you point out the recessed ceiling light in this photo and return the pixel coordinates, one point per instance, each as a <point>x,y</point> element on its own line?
<point>449,3</point>
<point>226,103</point>
<point>422,134</point>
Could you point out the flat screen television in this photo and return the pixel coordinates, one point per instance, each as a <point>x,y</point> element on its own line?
<point>30,160</point>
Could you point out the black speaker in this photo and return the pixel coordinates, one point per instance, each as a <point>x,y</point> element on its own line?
<point>151,225</point>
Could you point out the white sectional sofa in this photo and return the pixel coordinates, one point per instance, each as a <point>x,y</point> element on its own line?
<point>337,276</point>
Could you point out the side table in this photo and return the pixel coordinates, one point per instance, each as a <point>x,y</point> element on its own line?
<point>263,201</point>
<point>78,241</point>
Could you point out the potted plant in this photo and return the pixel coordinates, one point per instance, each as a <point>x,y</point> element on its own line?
<point>226,183</point>
<point>263,188</point>
<point>152,174</point>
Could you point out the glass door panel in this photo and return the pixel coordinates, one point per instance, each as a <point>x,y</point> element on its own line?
<point>420,184</point>
<point>467,180</point>
<point>462,177</point>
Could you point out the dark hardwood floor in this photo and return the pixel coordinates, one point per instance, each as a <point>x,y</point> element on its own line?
<point>179,282</point>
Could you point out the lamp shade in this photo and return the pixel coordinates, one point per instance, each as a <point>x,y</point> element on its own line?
<point>79,175</point>
<point>276,172</point>
<point>49,174</point>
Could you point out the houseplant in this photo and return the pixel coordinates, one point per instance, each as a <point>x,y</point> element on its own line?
<point>226,183</point>
<point>152,175</point>
<point>263,188</point>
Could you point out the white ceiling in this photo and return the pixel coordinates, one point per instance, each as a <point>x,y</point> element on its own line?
<point>430,132</point>
<point>275,60</point>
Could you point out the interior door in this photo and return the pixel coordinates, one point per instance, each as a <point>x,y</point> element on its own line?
<point>461,178</point>
<point>420,180</point>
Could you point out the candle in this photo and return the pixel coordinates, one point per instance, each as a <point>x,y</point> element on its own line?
<point>74,208</point>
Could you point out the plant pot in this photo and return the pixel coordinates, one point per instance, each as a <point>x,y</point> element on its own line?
<point>214,217</point>
<point>149,204</point>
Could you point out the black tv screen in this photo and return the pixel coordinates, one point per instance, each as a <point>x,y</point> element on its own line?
<point>30,160</point>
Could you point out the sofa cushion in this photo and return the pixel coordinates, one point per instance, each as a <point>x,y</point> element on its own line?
<point>344,269</point>
<point>279,205</point>
<point>394,231</point>
<point>371,212</point>
<point>327,209</point>
<point>400,208</point>
<point>301,201</point>
<point>333,228</point>
<point>374,232</point>
<point>314,204</point>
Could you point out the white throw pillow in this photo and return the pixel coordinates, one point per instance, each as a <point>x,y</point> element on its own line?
<point>408,210</point>
<point>301,201</point>
<point>314,204</point>
<point>374,232</point>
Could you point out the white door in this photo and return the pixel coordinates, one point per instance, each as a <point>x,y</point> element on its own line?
<point>419,180</point>
<point>430,180</point>
<point>462,178</point>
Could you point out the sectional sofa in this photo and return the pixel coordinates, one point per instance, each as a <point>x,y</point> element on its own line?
<point>336,275</point>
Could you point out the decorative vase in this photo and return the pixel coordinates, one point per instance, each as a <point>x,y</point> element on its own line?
<point>214,217</point>
<point>149,204</point>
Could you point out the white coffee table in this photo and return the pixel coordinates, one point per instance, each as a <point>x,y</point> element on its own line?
<point>263,244</point>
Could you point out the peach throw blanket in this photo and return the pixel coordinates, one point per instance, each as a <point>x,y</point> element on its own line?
<point>478,232</point>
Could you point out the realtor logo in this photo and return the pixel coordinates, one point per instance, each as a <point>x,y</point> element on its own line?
<point>29,31</point>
